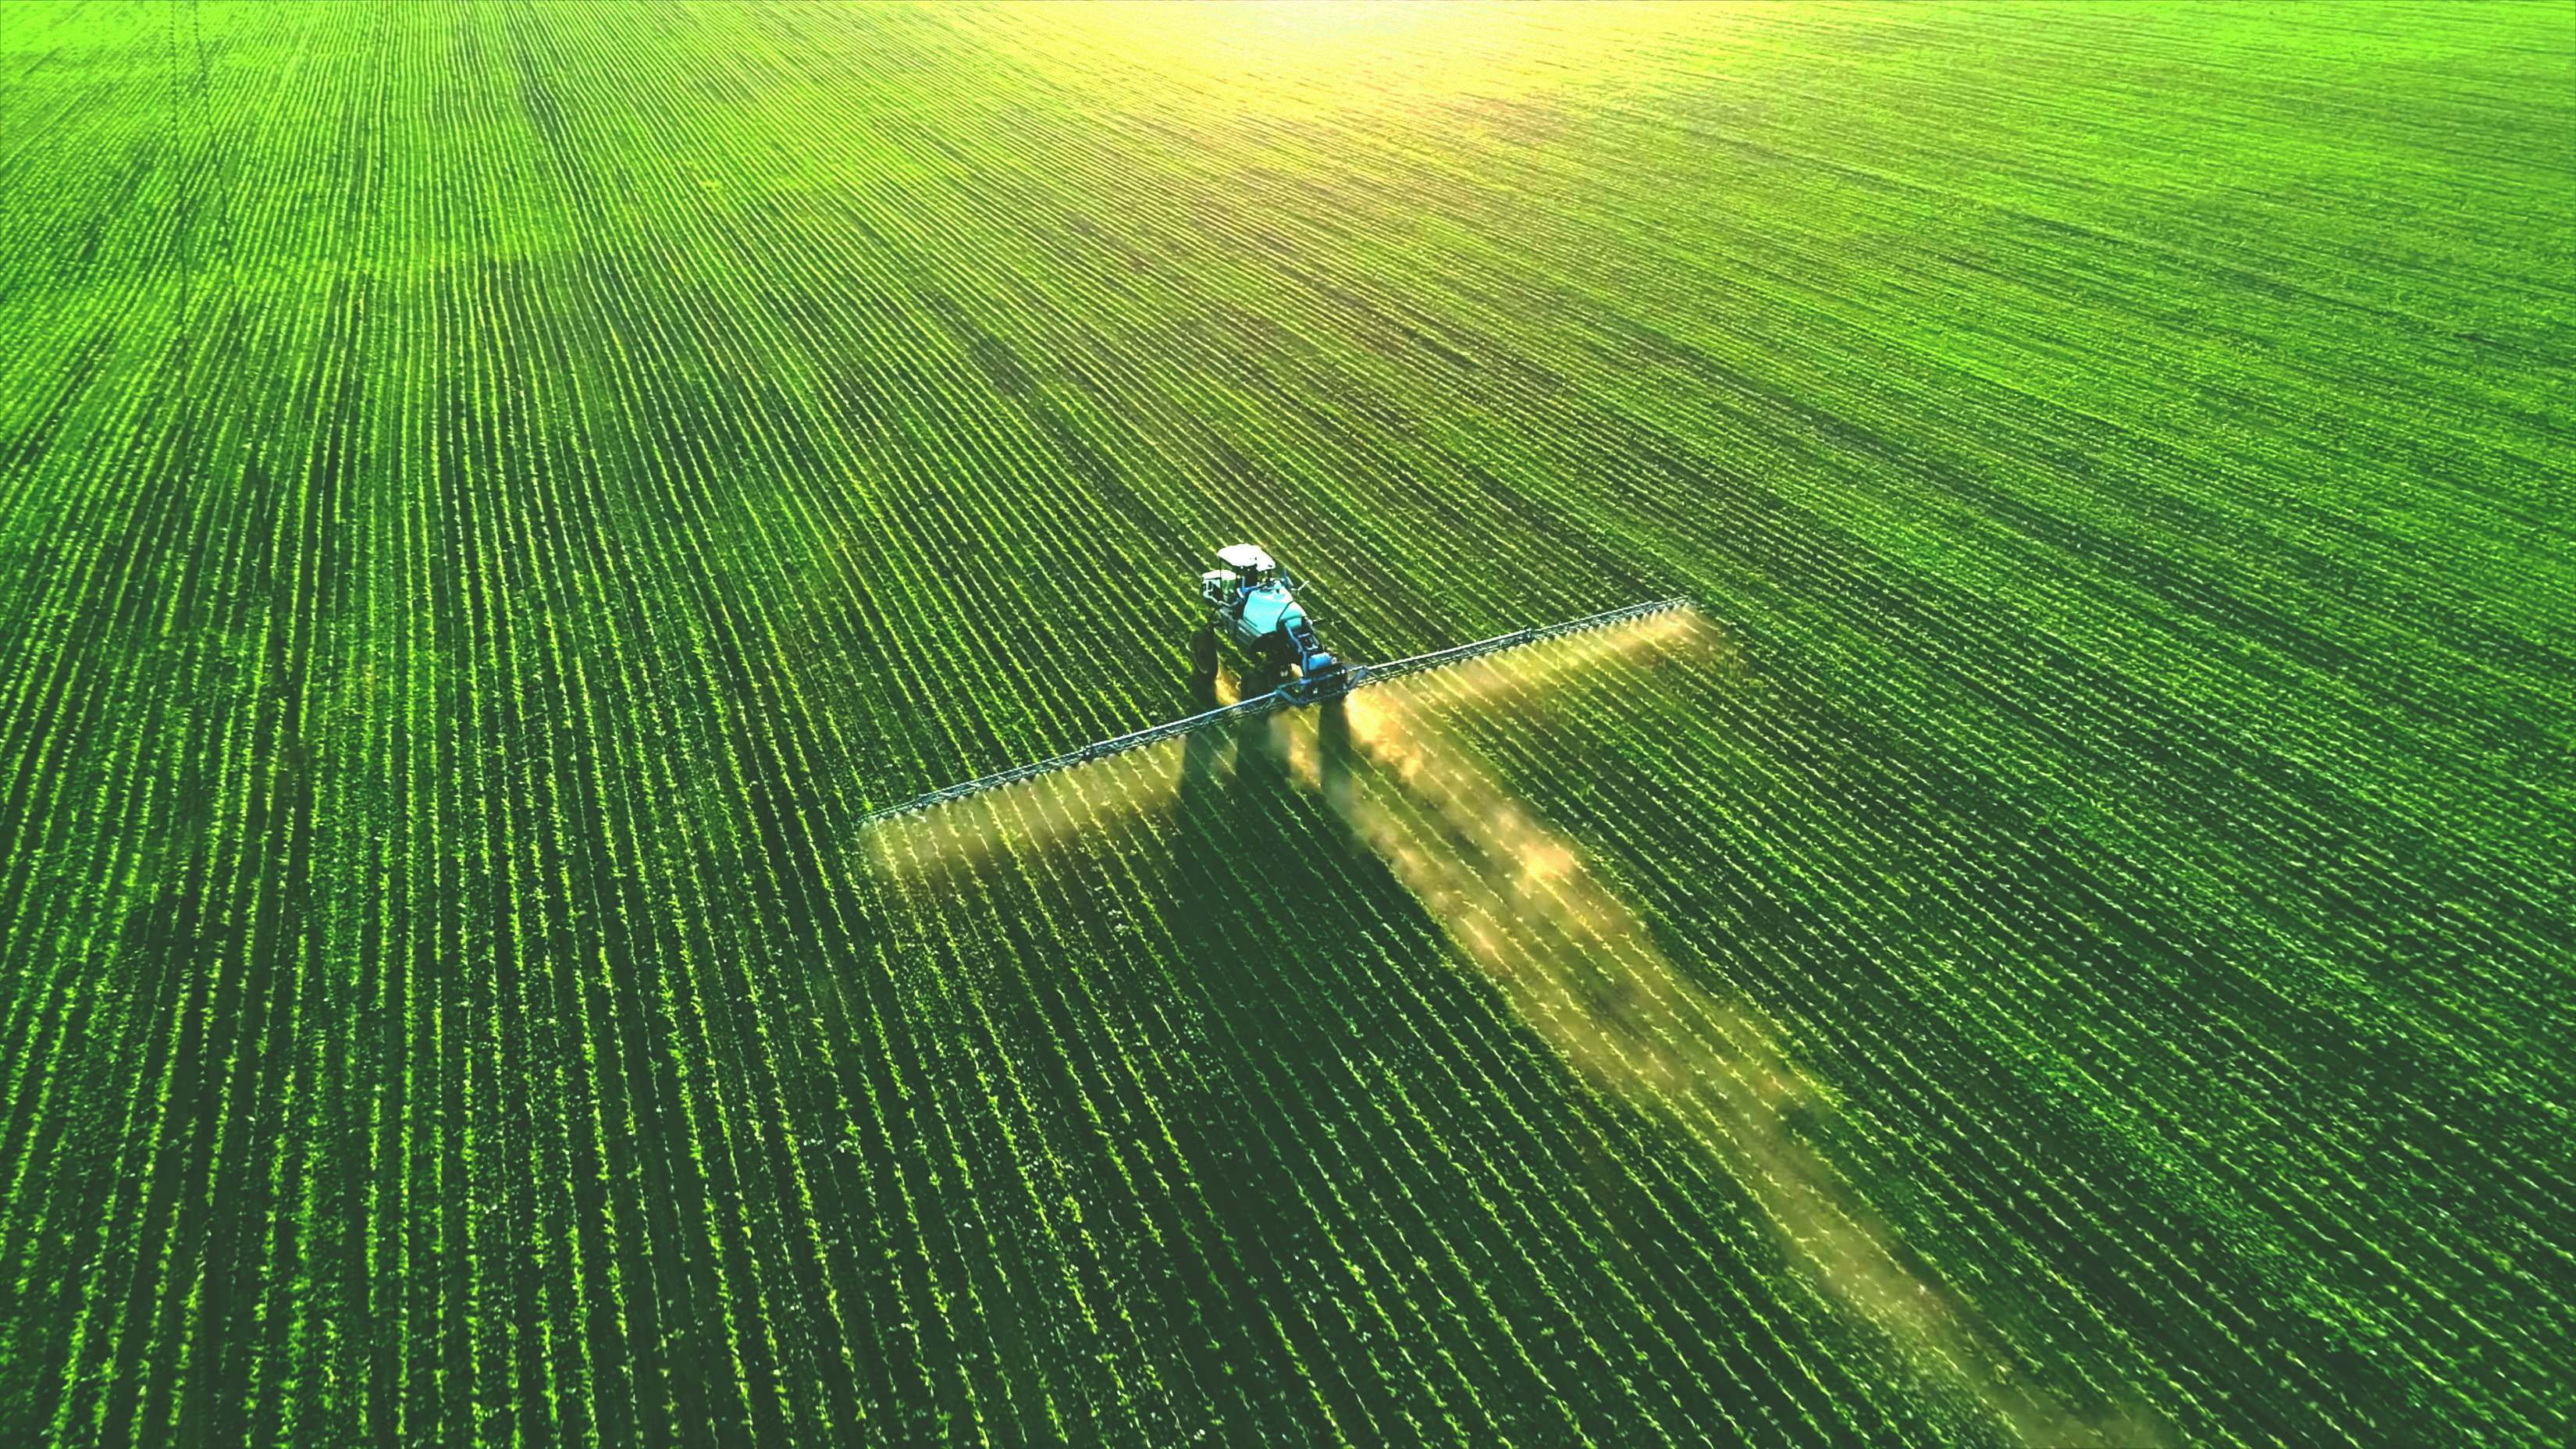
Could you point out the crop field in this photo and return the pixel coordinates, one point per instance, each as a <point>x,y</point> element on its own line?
<point>2069,938</point>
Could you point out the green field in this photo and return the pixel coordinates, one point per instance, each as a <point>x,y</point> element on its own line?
<point>2072,940</point>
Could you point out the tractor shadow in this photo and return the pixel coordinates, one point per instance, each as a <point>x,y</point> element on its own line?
<point>1393,803</point>
<point>1294,895</point>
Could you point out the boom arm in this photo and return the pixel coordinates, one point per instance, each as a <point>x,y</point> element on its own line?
<point>1341,679</point>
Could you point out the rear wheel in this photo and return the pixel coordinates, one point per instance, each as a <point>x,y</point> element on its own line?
<point>1203,668</point>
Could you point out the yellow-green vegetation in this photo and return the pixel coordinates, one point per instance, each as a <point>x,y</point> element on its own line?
<point>2069,941</point>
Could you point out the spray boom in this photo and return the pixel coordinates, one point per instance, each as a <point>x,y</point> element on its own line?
<point>1319,677</point>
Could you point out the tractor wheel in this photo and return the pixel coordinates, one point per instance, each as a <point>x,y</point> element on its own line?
<point>1203,668</point>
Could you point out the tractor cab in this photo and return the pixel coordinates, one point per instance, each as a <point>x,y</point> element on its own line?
<point>1246,570</point>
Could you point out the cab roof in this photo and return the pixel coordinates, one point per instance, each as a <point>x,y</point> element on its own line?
<point>1244,556</point>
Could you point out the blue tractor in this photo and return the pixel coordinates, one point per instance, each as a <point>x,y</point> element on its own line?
<point>1254,600</point>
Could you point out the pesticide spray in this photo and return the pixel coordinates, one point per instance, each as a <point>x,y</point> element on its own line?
<point>1521,903</point>
<point>1579,965</point>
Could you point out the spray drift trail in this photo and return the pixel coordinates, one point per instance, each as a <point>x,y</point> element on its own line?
<point>1574,961</point>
